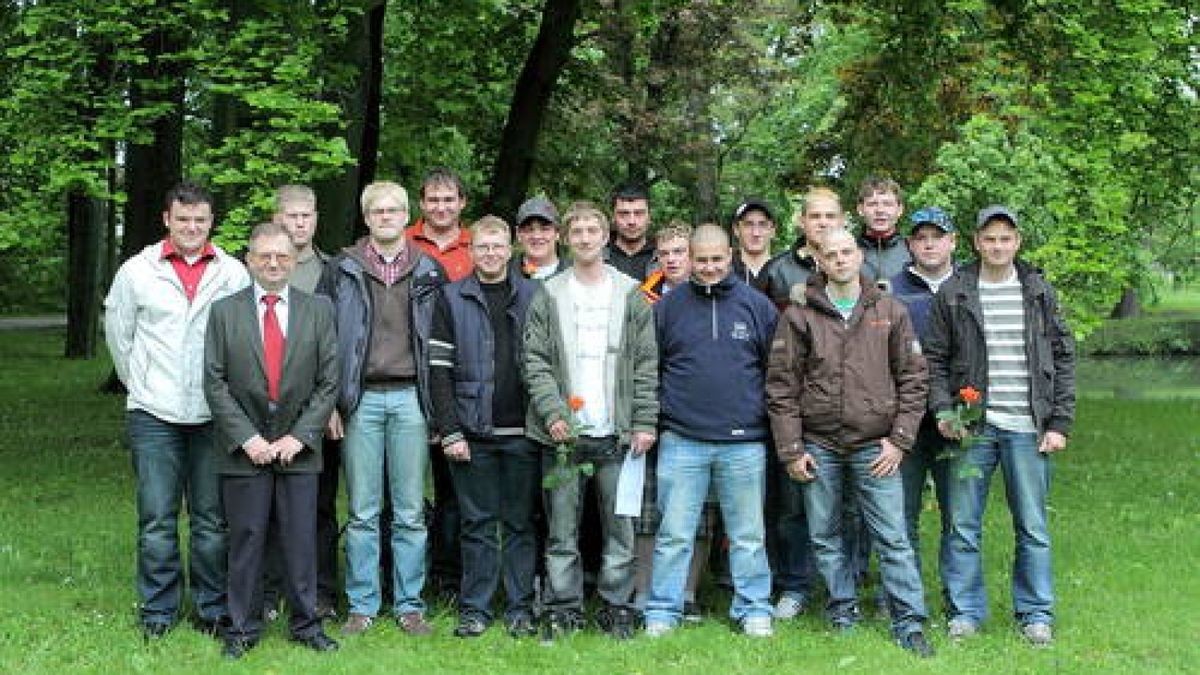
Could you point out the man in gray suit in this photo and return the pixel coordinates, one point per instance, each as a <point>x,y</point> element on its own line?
<point>270,377</point>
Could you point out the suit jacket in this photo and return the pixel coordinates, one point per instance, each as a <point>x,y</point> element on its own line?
<point>235,381</point>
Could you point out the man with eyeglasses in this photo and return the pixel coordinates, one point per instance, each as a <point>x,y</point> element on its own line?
<point>754,226</point>
<point>479,405</point>
<point>384,290</point>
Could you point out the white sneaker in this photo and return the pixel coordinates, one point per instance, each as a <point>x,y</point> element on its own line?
<point>961,628</point>
<point>789,607</point>
<point>1038,634</point>
<point>758,626</point>
<point>657,629</point>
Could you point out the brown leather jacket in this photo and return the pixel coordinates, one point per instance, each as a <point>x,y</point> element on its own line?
<point>844,384</point>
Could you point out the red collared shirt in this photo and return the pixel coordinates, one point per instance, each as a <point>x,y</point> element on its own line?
<point>456,257</point>
<point>388,271</point>
<point>189,273</point>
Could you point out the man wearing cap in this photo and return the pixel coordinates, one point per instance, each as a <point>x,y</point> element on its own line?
<point>931,240</point>
<point>995,326</point>
<point>754,227</point>
<point>880,205</point>
<point>537,232</point>
<point>631,250</point>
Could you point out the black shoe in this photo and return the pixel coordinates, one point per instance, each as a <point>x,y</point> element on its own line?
<point>327,610</point>
<point>692,613</point>
<point>155,630</point>
<point>318,642</point>
<point>521,626</point>
<point>916,643</point>
<point>470,626</point>
<point>618,622</point>
<point>557,623</point>
<point>214,628</point>
<point>236,648</point>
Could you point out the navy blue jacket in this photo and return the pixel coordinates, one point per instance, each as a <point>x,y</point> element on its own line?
<point>917,296</point>
<point>713,344</point>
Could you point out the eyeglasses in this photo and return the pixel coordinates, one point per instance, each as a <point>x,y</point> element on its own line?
<point>387,211</point>
<point>490,248</point>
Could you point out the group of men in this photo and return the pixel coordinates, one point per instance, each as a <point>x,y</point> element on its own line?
<point>792,393</point>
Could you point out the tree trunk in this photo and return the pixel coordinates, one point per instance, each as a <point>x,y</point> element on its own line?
<point>152,168</point>
<point>1129,305</point>
<point>531,98</point>
<point>337,196</point>
<point>86,222</point>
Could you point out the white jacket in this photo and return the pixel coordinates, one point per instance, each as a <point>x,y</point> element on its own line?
<point>157,337</point>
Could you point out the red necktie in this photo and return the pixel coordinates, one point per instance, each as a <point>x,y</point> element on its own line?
<point>273,346</point>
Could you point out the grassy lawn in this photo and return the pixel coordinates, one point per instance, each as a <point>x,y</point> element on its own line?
<point>1125,517</point>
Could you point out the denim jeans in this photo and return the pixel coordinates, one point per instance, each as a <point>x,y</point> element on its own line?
<point>789,549</point>
<point>738,471</point>
<point>1027,482</point>
<point>174,463</point>
<point>386,433</point>
<point>497,491</point>
<point>919,464</point>
<point>881,501</point>
<point>564,508</point>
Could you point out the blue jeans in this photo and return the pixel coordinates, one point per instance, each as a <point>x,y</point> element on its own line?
<point>738,471</point>
<point>918,464</point>
<point>1027,482</point>
<point>881,501</point>
<point>386,433</point>
<point>793,568</point>
<point>497,491</point>
<point>174,463</point>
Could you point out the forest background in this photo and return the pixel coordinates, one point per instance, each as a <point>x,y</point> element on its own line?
<point>1081,115</point>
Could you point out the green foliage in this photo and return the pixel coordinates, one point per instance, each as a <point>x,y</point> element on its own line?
<point>1146,336</point>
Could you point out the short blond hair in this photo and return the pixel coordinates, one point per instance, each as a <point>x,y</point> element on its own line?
<point>821,194</point>
<point>290,194</point>
<point>381,189</point>
<point>583,210</point>
<point>490,224</point>
<point>676,229</point>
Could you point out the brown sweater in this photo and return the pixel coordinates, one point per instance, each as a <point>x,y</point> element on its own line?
<point>390,359</point>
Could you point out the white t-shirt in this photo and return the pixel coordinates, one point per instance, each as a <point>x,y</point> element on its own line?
<point>593,306</point>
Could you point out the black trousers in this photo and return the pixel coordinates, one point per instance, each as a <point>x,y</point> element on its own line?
<point>250,502</point>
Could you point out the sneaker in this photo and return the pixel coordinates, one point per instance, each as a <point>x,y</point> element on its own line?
<point>618,622</point>
<point>790,606</point>
<point>155,630</point>
<point>357,624</point>
<point>846,620</point>
<point>657,629</point>
<point>414,624</point>
<point>521,626</point>
<point>557,623</point>
<point>959,629</point>
<point>1038,634</point>
<point>470,626</point>
<point>758,626</point>
<point>692,613</point>
<point>916,643</point>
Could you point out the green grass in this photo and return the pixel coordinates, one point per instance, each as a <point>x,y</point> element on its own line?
<point>1125,517</point>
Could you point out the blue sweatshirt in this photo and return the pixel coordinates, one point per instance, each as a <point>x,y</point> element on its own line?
<point>713,343</point>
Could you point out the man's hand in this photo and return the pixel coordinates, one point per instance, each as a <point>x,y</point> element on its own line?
<point>802,469</point>
<point>458,451</point>
<point>259,450</point>
<point>888,460</point>
<point>947,430</point>
<point>640,442</point>
<point>560,431</point>
<point>287,448</point>
<point>333,428</point>
<point>1052,441</point>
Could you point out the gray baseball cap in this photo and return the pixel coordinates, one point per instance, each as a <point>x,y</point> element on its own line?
<point>996,211</point>
<point>537,207</point>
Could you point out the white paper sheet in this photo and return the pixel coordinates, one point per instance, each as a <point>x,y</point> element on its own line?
<point>630,485</point>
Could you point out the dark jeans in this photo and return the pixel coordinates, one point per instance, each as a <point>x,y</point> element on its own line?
<point>497,491</point>
<point>445,565</point>
<point>923,461</point>
<point>792,565</point>
<point>174,463</point>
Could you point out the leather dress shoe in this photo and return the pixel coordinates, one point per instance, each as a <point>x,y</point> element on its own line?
<point>318,642</point>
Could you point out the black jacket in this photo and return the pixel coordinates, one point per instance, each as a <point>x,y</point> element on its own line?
<point>787,275</point>
<point>957,353</point>
<point>345,283</point>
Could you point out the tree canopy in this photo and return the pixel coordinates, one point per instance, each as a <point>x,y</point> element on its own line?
<point>1079,115</point>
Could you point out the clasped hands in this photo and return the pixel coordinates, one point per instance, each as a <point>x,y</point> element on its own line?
<point>261,452</point>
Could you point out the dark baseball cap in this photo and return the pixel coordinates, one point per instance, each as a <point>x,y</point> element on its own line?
<point>930,215</point>
<point>537,207</point>
<point>752,204</point>
<point>996,211</point>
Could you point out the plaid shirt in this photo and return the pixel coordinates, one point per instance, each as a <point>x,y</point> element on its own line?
<point>387,271</point>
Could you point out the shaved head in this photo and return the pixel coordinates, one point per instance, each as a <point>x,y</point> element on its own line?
<point>710,234</point>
